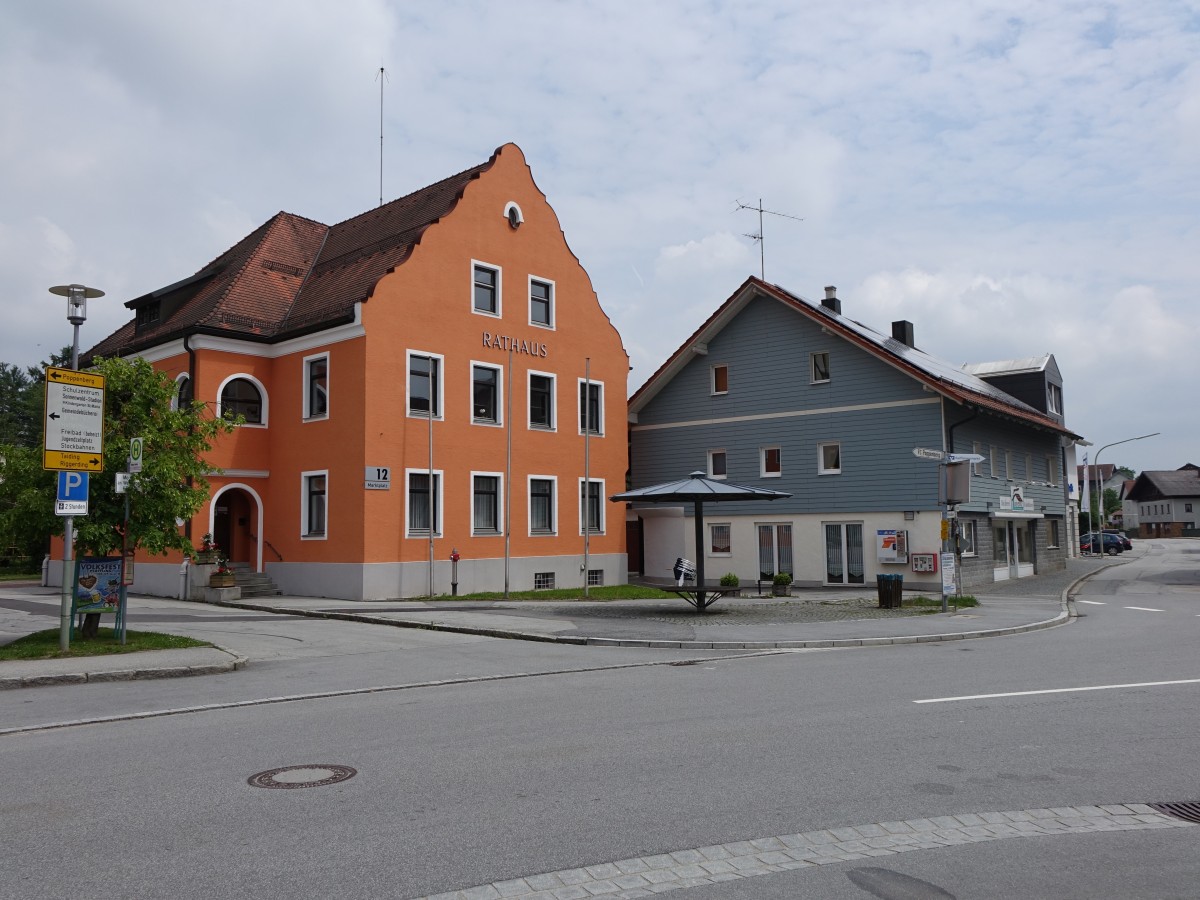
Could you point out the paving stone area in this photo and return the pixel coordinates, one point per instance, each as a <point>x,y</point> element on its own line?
<point>647,876</point>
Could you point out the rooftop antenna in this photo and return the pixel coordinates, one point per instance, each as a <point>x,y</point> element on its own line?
<point>759,237</point>
<point>381,77</point>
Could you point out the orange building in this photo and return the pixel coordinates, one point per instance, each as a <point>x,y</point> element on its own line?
<point>434,375</point>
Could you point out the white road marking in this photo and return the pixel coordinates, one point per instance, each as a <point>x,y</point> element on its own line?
<point>1097,687</point>
<point>1092,602</point>
<point>1144,608</point>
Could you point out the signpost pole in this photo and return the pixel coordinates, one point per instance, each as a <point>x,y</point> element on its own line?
<point>77,297</point>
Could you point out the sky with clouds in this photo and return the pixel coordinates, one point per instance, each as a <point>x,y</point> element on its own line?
<point>1014,178</point>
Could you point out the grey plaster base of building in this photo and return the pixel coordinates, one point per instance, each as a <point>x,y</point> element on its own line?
<point>379,581</point>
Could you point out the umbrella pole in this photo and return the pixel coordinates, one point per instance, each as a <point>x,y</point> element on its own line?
<point>700,604</point>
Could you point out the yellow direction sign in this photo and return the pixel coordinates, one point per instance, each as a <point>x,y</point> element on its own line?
<point>74,426</point>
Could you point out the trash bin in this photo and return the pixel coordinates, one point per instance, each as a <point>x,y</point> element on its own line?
<point>891,591</point>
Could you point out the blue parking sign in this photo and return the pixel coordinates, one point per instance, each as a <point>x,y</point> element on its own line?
<point>72,499</point>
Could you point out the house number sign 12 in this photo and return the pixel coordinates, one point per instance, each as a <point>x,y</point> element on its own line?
<point>378,478</point>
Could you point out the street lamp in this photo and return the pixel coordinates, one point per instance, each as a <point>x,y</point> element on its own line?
<point>1098,530</point>
<point>77,297</point>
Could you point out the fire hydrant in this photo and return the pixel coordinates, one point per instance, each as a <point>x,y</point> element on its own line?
<point>454,557</point>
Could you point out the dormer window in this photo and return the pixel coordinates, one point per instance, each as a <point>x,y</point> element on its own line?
<point>148,315</point>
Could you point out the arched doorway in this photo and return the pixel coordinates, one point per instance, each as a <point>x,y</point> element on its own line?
<point>237,513</point>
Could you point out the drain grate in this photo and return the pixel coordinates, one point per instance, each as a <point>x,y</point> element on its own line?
<point>301,776</point>
<point>1189,811</point>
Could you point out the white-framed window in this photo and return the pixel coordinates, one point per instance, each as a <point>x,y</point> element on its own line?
<point>717,464</point>
<point>1054,398</point>
<point>314,487</point>
<point>424,384</point>
<point>829,458</point>
<point>485,289</point>
<point>316,387</point>
<point>486,390</point>
<point>591,407</point>
<point>991,460</point>
<point>1052,532</point>
<point>591,506</point>
<point>968,535</point>
<point>243,395</point>
<point>977,449</point>
<point>820,367</point>
<point>182,398</point>
<point>595,577</point>
<point>770,462</point>
<point>541,401</point>
<point>486,492</point>
<point>1051,469</point>
<point>719,383</point>
<point>720,539</point>
<point>1008,462</point>
<point>541,302</point>
<point>543,504</point>
<point>543,581</point>
<point>423,510</point>
<point>1029,467</point>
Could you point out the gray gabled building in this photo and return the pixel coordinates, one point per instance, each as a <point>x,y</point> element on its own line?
<point>1167,502</point>
<point>779,391</point>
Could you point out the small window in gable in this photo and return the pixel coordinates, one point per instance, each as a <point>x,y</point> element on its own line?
<point>148,315</point>
<point>820,367</point>
<point>720,379</point>
<point>486,290</point>
<point>541,303</point>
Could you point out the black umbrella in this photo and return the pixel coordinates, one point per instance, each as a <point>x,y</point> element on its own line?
<point>698,489</point>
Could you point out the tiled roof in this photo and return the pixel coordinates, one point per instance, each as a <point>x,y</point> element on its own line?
<point>1161,485</point>
<point>292,275</point>
<point>942,377</point>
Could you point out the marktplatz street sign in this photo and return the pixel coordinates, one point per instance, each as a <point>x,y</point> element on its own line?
<point>74,421</point>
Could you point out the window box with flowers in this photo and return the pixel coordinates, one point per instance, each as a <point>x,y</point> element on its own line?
<point>223,575</point>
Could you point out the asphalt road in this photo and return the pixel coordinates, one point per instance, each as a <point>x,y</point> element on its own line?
<point>462,785</point>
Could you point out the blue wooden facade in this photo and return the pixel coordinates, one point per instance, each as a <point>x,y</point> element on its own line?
<point>780,392</point>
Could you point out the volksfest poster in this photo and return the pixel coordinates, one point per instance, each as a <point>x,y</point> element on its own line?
<point>98,584</point>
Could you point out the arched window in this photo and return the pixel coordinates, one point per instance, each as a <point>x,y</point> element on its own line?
<point>241,397</point>
<point>183,392</point>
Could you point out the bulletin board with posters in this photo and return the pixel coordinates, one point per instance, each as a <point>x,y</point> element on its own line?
<point>97,585</point>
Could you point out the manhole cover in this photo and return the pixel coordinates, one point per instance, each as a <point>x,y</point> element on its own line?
<point>301,776</point>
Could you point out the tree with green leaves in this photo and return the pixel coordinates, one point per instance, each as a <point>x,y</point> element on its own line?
<point>171,486</point>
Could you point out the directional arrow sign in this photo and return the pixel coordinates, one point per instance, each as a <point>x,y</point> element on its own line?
<point>964,457</point>
<point>926,453</point>
<point>74,421</point>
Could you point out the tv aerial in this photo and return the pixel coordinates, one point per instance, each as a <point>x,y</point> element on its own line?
<point>759,236</point>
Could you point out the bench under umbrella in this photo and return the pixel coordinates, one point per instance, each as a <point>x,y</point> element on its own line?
<point>699,489</point>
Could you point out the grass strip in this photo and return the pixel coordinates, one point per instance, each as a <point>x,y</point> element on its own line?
<point>44,644</point>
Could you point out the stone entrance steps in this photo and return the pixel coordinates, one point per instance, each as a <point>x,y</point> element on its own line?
<point>253,584</point>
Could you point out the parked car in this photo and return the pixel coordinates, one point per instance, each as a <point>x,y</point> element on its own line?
<point>1122,537</point>
<point>1090,543</point>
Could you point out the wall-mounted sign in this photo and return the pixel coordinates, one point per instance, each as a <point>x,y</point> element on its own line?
<point>377,478</point>
<point>1017,498</point>
<point>516,345</point>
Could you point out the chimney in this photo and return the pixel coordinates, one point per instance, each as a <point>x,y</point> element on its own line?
<point>902,331</point>
<point>831,302</point>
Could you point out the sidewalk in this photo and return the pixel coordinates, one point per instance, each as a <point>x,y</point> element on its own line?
<point>816,618</point>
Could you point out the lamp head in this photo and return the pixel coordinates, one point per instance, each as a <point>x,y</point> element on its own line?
<point>77,297</point>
